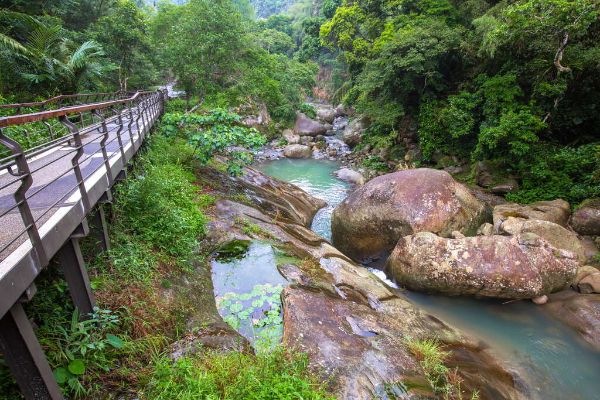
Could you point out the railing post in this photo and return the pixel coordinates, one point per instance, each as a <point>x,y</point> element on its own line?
<point>118,133</point>
<point>75,161</point>
<point>103,146</point>
<point>129,128</point>
<point>20,197</point>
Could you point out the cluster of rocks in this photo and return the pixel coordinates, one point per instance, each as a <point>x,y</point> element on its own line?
<point>350,323</point>
<point>443,241</point>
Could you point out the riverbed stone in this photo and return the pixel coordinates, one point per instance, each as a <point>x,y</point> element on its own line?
<point>306,126</point>
<point>557,211</point>
<point>486,173</point>
<point>297,151</point>
<point>507,267</point>
<point>486,229</point>
<point>556,235</point>
<point>326,115</point>
<point>586,219</point>
<point>290,136</point>
<point>508,185</point>
<point>351,176</point>
<point>352,134</point>
<point>590,284</point>
<point>373,218</point>
<point>271,195</point>
<point>580,311</point>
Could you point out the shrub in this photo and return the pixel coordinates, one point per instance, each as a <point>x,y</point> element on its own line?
<point>308,110</point>
<point>215,133</point>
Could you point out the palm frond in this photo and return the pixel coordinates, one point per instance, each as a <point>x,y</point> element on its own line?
<point>13,45</point>
<point>85,53</point>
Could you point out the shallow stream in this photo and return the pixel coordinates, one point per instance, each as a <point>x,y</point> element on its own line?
<point>549,355</point>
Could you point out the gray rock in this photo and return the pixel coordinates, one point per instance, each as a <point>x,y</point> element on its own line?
<point>486,229</point>
<point>509,185</point>
<point>556,235</point>
<point>557,211</point>
<point>349,175</point>
<point>297,151</point>
<point>352,133</point>
<point>326,115</point>
<point>290,136</point>
<point>305,126</point>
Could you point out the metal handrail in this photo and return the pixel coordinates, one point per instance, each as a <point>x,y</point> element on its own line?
<point>45,115</point>
<point>55,99</point>
<point>101,119</point>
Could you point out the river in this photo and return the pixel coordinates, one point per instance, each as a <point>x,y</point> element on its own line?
<point>548,354</point>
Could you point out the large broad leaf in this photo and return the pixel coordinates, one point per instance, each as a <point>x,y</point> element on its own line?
<point>61,375</point>
<point>114,341</point>
<point>77,367</point>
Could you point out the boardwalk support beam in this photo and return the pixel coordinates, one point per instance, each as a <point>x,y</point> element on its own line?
<point>100,229</point>
<point>25,357</point>
<point>76,275</point>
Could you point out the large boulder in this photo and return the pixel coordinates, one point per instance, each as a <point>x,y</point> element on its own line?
<point>297,151</point>
<point>352,133</point>
<point>557,211</point>
<point>342,110</point>
<point>556,235</point>
<point>373,218</point>
<point>326,115</point>
<point>305,126</point>
<point>290,137</point>
<point>586,219</point>
<point>517,267</point>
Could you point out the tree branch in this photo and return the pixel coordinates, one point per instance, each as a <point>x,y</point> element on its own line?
<point>559,54</point>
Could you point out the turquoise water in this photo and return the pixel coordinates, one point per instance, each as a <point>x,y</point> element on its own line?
<point>316,178</point>
<point>548,354</point>
<point>247,291</point>
<point>559,364</point>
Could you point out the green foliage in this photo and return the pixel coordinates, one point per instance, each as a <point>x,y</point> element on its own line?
<point>444,381</point>
<point>275,41</point>
<point>570,173</point>
<point>374,163</point>
<point>200,42</point>
<point>259,311</point>
<point>493,122</point>
<point>81,350</point>
<point>308,110</point>
<point>123,36</point>
<point>40,57</point>
<point>161,205</point>
<point>278,374</point>
<point>213,134</point>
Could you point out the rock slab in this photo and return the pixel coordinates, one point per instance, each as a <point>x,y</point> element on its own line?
<point>517,267</point>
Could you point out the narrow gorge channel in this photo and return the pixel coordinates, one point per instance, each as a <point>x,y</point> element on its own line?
<point>546,353</point>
